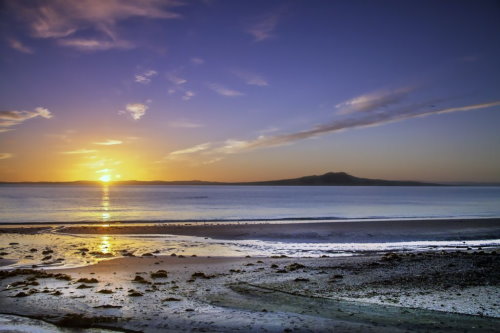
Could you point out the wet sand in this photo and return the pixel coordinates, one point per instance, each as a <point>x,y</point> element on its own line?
<point>338,232</point>
<point>456,291</point>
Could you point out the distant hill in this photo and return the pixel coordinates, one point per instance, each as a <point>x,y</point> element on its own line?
<point>328,179</point>
<point>338,179</point>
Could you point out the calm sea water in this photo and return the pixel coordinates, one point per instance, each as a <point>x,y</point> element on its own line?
<point>37,203</point>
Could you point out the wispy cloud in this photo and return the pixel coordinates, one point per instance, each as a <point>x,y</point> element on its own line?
<point>145,77</point>
<point>221,90</point>
<point>251,78</point>
<point>197,60</point>
<point>19,46</point>
<point>79,152</point>
<point>263,27</point>
<point>12,118</point>
<point>61,19</point>
<point>4,156</point>
<point>195,149</point>
<point>184,123</point>
<point>184,154</point>
<point>136,110</point>
<point>109,142</point>
<point>386,108</point>
<point>373,101</point>
<point>176,79</point>
<point>92,44</point>
<point>188,95</point>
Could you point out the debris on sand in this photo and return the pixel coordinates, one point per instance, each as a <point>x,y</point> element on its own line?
<point>105,291</point>
<point>201,275</point>
<point>81,321</point>
<point>135,294</point>
<point>107,306</point>
<point>171,299</point>
<point>87,280</point>
<point>140,279</point>
<point>159,274</point>
<point>83,286</point>
<point>295,266</point>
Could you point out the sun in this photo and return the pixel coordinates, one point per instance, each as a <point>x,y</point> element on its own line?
<point>105,178</point>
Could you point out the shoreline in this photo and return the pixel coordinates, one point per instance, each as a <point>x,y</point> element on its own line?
<point>318,232</point>
<point>286,220</point>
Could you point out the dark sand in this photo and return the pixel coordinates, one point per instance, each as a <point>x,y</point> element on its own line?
<point>335,232</point>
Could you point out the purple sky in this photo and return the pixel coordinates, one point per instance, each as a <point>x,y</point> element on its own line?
<point>249,90</point>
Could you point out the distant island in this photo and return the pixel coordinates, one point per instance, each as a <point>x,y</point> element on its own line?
<point>328,179</point>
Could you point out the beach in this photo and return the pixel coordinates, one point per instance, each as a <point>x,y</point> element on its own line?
<point>454,286</point>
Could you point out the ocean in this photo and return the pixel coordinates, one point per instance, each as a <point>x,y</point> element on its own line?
<point>157,203</point>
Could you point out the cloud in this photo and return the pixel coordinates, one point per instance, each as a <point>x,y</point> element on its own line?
<point>4,156</point>
<point>188,95</point>
<point>109,142</point>
<point>180,155</point>
<point>197,61</point>
<point>79,152</point>
<point>373,101</point>
<point>384,112</point>
<point>176,79</point>
<point>197,148</point>
<point>62,18</point>
<point>91,44</point>
<point>136,110</point>
<point>183,123</point>
<point>221,90</point>
<point>251,78</point>
<point>263,27</point>
<point>145,77</point>
<point>12,118</point>
<point>17,45</point>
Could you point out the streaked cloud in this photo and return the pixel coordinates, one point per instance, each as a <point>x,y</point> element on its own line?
<point>136,110</point>
<point>19,46</point>
<point>79,152</point>
<point>263,27</point>
<point>12,118</point>
<point>197,61</point>
<point>91,44</point>
<point>4,156</point>
<point>251,78</point>
<point>145,77</point>
<point>183,123</point>
<point>176,79</point>
<point>109,142</point>
<point>221,90</point>
<point>373,101</point>
<point>387,107</point>
<point>191,150</point>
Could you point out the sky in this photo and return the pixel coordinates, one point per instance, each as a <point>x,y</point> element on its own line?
<point>226,90</point>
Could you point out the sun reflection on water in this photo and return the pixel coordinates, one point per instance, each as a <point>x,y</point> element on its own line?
<point>105,213</point>
<point>105,246</point>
